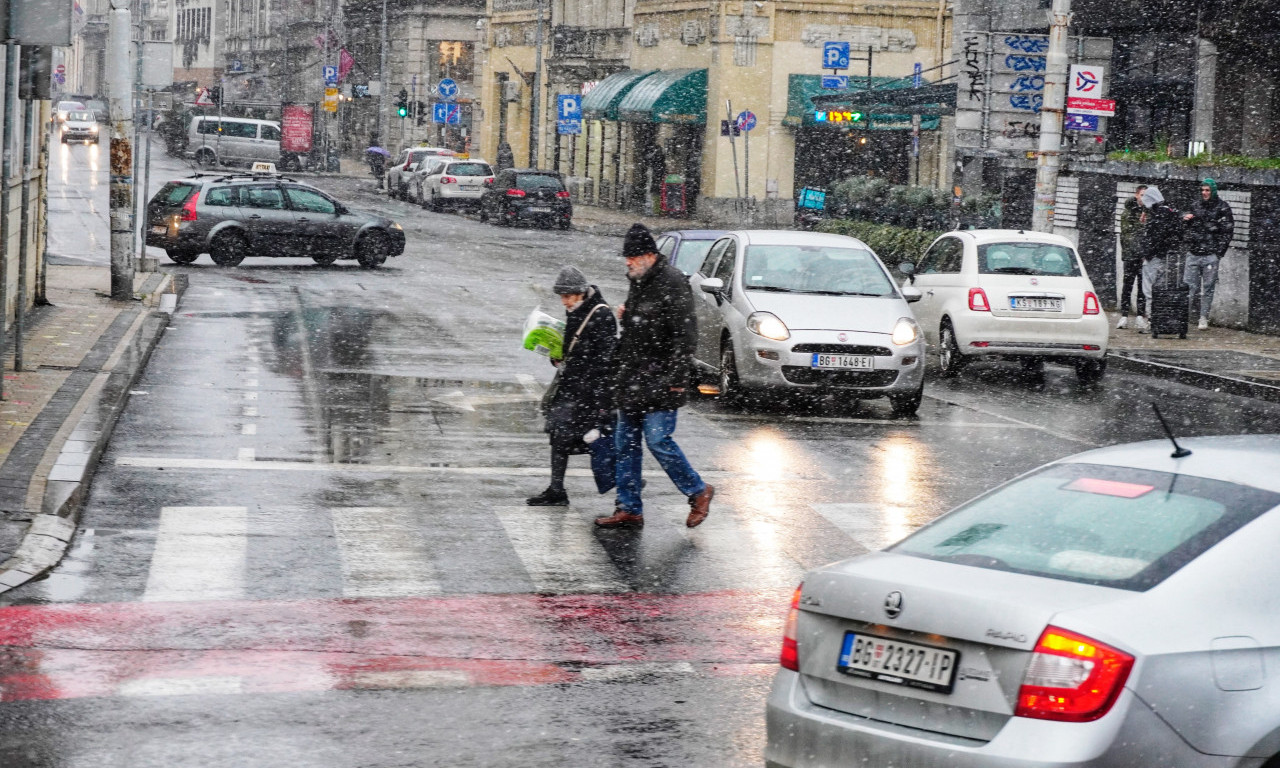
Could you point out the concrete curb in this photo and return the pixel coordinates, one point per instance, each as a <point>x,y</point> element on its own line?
<point>1230,385</point>
<point>51,531</point>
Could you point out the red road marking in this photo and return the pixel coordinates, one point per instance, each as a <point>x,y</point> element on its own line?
<point>79,650</point>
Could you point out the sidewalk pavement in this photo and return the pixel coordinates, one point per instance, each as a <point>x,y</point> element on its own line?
<point>82,354</point>
<point>615,223</point>
<point>1221,359</point>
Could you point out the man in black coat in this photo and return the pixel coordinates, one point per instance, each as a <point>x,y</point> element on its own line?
<point>1210,226</point>
<point>1161,239</point>
<point>653,366</point>
<point>580,414</point>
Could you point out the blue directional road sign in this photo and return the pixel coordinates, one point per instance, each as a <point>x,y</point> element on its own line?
<point>447,88</point>
<point>917,76</point>
<point>835,82</point>
<point>835,55</point>
<point>746,120</point>
<point>446,112</point>
<point>569,114</point>
<point>1081,122</point>
<point>330,74</point>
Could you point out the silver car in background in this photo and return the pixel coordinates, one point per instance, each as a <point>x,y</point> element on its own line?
<point>806,311</point>
<point>1117,608</point>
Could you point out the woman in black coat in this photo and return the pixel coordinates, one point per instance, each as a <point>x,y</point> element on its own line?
<point>580,413</point>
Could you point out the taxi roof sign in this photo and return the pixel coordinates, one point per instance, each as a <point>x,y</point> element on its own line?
<point>262,167</point>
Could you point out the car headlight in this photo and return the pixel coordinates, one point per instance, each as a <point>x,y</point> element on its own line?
<point>768,325</point>
<point>905,332</point>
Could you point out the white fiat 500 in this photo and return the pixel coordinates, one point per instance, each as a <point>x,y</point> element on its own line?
<point>806,311</point>
<point>1009,294</point>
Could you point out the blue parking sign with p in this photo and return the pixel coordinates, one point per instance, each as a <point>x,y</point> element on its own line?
<point>835,55</point>
<point>569,107</point>
<point>330,74</point>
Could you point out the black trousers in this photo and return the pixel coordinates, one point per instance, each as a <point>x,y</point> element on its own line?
<point>1132,276</point>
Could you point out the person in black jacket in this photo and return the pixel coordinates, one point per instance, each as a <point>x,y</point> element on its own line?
<point>580,414</point>
<point>1161,238</point>
<point>653,368</point>
<point>1210,226</point>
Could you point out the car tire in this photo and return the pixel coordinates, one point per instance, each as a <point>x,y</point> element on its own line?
<point>325,260</point>
<point>484,215</point>
<point>565,224</point>
<point>1033,366</point>
<point>907,405</point>
<point>371,250</point>
<point>206,159</point>
<point>422,199</point>
<point>181,257</point>
<point>950,361</point>
<point>437,205</point>
<point>1090,372</point>
<point>228,249</point>
<point>730,385</point>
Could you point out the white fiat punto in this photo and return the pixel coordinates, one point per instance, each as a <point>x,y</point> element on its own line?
<point>1009,294</point>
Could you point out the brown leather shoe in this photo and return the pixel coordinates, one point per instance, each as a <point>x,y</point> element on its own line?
<point>700,507</point>
<point>621,519</point>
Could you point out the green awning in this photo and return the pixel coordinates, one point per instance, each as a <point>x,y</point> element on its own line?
<point>669,96</point>
<point>601,102</point>
<point>801,110</point>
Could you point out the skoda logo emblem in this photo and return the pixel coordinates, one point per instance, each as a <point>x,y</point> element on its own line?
<point>893,604</point>
<point>843,337</point>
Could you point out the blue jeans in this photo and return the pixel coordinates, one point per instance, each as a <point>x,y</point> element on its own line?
<point>603,466</point>
<point>1201,272</point>
<point>656,429</point>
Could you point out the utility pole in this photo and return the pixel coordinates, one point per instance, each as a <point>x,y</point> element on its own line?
<point>6,173</point>
<point>535,101</point>
<point>1049,156</point>
<point>120,190</point>
<point>384,116</point>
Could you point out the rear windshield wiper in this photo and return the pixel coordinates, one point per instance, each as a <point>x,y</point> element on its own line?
<point>1013,271</point>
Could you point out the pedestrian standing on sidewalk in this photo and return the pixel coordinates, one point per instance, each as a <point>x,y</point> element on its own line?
<point>579,412</point>
<point>653,368</point>
<point>1210,227</point>
<point>1131,260</point>
<point>1161,238</point>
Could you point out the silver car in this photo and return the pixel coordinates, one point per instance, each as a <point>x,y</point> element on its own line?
<point>806,311</point>
<point>1116,608</point>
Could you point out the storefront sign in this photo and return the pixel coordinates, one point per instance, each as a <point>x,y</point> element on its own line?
<point>331,99</point>
<point>295,129</point>
<point>837,116</point>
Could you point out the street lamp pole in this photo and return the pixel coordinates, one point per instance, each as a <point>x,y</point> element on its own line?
<point>1049,156</point>
<point>535,102</point>
<point>384,117</point>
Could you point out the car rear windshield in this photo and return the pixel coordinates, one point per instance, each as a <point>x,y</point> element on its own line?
<point>1027,259</point>
<point>815,269</point>
<point>469,169</point>
<point>174,193</point>
<point>1096,524</point>
<point>531,181</point>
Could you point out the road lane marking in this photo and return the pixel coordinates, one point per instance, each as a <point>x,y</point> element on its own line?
<point>200,554</point>
<point>148,462</point>
<point>250,395</point>
<point>384,552</point>
<point>245,454</point>
<point>181,686</point>
<point>250,411</point>
<point>248,429</point>
<point>559,550</point>
<point>874,526</point>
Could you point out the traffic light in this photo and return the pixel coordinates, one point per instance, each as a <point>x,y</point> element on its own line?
<point>402,103</point>
<point>215,94</point>
<point>421,112</point>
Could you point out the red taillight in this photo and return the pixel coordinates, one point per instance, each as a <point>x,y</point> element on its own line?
<point>515,193</point>
<point>188,210</point>
<point>1071,678</point>
<point>448,180</point>
<point>979,343</point>
<point>790,658</point>
<point>978,300</point>
<point>1091,306</point>
<point>562,194</point>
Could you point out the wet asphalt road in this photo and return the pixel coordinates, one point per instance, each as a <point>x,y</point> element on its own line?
<point>307,546</point>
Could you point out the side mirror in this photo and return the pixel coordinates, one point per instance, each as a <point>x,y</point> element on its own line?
<point>713,286</point>
<point>907,268</point>
<point>911,293</point>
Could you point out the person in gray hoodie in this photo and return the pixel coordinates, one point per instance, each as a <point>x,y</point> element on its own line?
<point>1161,238</point>
<point>1210,226</point>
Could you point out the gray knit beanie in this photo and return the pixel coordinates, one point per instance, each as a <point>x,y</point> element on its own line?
<point>570,281</point>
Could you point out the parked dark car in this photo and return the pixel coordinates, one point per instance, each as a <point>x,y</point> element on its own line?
<point>238,215</point>
<point>687,248</point>
<point>523,193</point>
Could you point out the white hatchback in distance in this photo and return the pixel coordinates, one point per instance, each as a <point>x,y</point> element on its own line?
<point>1009,294</point>
<point>451,181</point>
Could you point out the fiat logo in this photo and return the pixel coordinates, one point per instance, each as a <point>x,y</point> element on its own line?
<point>893,604</point>
<point>843,337</point>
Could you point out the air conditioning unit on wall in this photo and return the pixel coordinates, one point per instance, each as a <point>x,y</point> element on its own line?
<point>510,90</point>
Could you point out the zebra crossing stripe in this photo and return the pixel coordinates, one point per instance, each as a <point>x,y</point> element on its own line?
<point>384,552</point>
<point>559,550</point>
<point>199,555</point>
<point>874,526</point>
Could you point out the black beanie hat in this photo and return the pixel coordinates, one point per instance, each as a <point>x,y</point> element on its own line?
<point>638,242</point>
